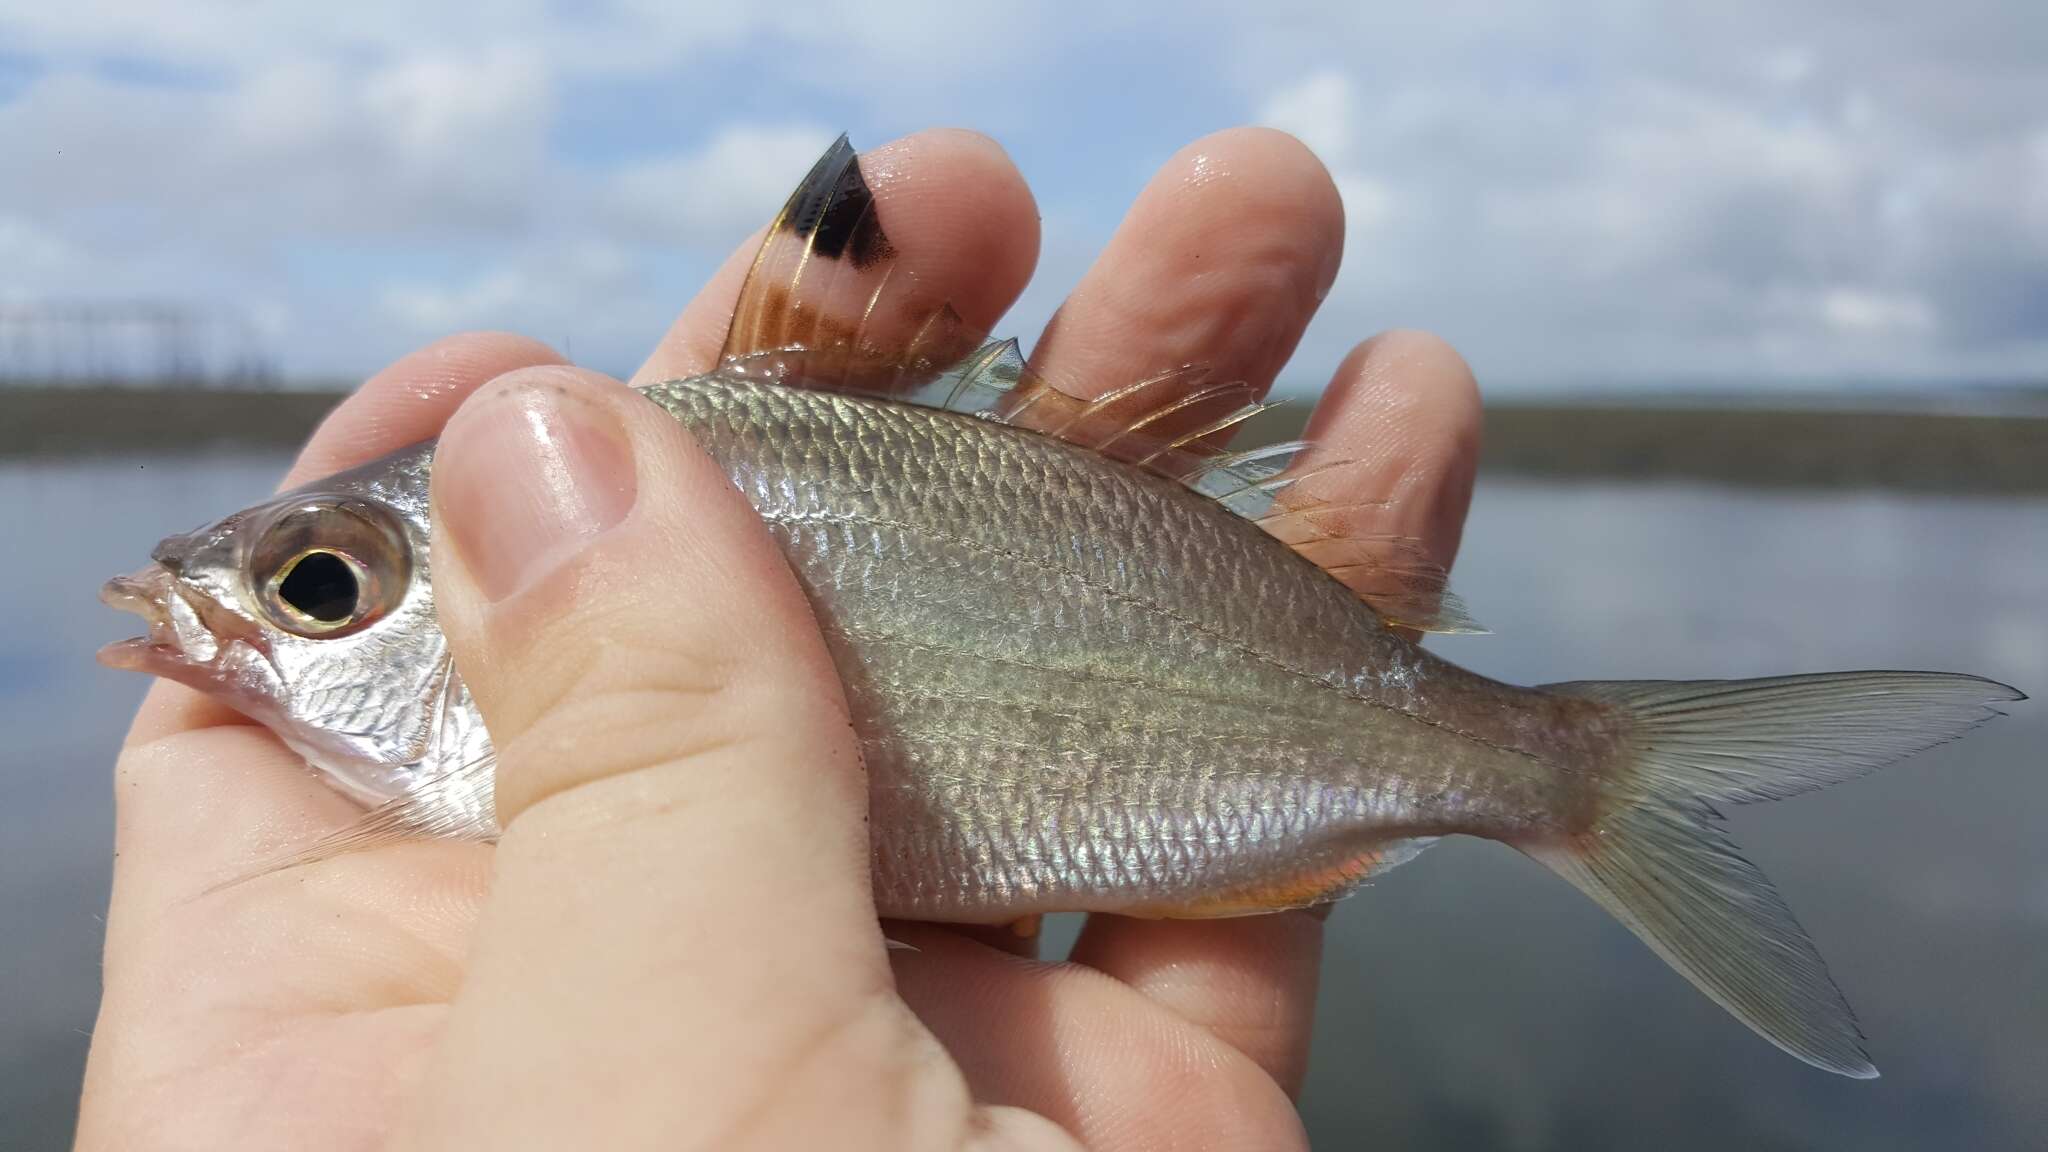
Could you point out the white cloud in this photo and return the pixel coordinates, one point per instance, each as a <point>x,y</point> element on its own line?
<point>587,297</point>
<point>1638,225</point>
<point>1787,66</point>
<point>234,36</point>
<point>541,282</point>
<point>436,141</point>
<point>1318,110</point>
<point>29,258</point>
<point>436,106</point>
<point>1864,312</point>
<point>904,40</point>
<point>480,303</point>
<point>720,192</point>
<point>1368,203</point>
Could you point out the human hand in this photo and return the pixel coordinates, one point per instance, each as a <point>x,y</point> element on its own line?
<point>674,942</point>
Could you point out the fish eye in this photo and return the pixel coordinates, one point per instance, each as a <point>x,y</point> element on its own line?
<point>324,569</point>
<point>321,586</point>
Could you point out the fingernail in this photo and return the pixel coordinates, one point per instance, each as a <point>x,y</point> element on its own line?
<point>527,477</point>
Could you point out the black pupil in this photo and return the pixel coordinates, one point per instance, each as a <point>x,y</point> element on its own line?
<point>322,586</point>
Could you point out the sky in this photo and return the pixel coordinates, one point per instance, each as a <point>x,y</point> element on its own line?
<point>1595,195</point>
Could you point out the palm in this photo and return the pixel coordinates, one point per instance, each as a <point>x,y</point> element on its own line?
<point>300,1008</point>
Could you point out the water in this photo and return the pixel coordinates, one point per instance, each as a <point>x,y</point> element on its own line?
<point>67,526</point>
<point>1470,999</point>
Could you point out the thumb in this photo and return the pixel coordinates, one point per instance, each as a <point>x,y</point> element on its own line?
<point>681,902</point>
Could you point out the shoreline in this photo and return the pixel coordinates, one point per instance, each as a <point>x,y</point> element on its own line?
<point>1740,445</point>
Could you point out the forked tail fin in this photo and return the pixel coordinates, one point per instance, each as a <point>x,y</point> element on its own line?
<point>1660,861</point>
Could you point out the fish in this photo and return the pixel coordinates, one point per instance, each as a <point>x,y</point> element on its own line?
<point>1098,659</point>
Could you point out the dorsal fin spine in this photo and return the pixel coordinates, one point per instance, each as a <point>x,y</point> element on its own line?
<point>1187,372</point>
<point>976,366</point>
<point>1210,429</point>
<point>1193,399</point>
<point>1309,513</point>
<point>1101,403</point>
<point>1238,462</point>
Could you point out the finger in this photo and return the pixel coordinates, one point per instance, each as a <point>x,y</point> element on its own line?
<point>1102,1060</point>
<point>954,207</point>
<point>1221,261</point>
<point>674,755</point>
<point>1249,982</point>
<point>1404,407</point>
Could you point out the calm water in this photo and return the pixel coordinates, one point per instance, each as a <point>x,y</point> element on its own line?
<point>1471,1000</point>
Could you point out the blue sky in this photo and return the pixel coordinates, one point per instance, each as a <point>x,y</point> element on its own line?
<point>1578,195</point>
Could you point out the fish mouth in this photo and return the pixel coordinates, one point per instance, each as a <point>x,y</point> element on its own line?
<point>176,645</point>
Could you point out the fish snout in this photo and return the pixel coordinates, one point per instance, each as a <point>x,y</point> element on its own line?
<point>145,592</point>
<point>173,628</point>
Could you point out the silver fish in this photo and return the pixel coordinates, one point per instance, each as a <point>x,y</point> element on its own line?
<point>1096,662</point>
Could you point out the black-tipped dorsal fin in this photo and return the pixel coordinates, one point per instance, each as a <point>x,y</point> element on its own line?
<point>829,303</point>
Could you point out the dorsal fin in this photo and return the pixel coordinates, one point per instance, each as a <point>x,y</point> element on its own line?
<point>829,304</point>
